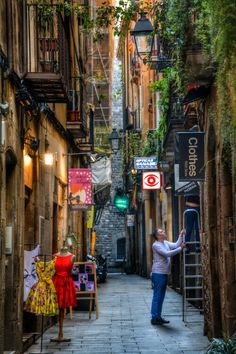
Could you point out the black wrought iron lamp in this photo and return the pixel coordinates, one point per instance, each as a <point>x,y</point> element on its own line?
<point>115,141</point>
<point>143,37</point>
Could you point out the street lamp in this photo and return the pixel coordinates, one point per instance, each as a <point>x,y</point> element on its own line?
<point>115,140</point>
<point>143,36</point>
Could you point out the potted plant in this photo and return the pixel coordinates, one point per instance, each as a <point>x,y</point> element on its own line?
<point>223,345</point>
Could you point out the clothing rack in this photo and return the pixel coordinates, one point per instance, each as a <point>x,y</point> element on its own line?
<point>42,351</point>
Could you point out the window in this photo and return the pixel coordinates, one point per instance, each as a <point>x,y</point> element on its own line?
<point>121,249</point>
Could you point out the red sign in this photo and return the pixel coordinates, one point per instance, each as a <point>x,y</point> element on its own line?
<point>152,180</point>
<point>80,187</point>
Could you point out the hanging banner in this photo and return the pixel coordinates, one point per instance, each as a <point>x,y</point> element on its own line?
<point>152,180</point>
<point>184,188</point>
<point>90,217</point>
<point>130,220</point>
<point>191,156</point>
<point>145,163</point>
<point>80,188</point>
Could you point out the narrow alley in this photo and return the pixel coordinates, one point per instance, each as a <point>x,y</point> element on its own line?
<point>124,324</point>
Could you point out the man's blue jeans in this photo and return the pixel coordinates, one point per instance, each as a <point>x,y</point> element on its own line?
<point>160,284</point>
<point>192,223</point>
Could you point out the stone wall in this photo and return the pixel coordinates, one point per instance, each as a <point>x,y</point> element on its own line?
<point>112,224</point>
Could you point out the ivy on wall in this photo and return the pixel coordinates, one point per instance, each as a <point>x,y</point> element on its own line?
<point>210,25</point>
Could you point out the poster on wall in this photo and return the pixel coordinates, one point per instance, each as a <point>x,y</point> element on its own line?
<point>84,276</point>
<point>80,188</point>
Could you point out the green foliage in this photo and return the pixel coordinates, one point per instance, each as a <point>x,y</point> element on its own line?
<point>101,140</point>
<point>150,144</point>
<point>212,25</point>
<point>118,17</point>
<point>227,345</point>
<point>168,81</point>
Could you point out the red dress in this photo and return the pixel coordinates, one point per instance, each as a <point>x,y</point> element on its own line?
<point>63,281</point>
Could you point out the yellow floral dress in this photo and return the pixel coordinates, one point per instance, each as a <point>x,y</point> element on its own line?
<point>42,299</point>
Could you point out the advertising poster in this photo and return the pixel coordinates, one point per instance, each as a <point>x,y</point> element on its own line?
<point>80,188</point>
<point>84,277</point>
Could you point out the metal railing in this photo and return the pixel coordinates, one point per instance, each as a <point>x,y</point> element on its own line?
<point>48,46</point>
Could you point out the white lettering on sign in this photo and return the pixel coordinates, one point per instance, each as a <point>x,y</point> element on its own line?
<point>192,156</point>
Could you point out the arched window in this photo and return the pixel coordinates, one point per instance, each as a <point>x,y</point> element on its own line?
<point>120,249</point>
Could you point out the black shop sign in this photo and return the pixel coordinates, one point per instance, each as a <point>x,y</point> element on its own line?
<point>191,156</point>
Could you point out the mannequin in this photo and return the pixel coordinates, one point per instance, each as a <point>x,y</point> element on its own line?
<point>64,286</point>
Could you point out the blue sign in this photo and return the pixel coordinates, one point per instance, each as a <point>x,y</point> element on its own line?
<point>145,163</point>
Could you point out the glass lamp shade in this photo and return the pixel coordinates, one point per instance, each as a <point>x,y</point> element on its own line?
<point>115,140</point>
<point>27,160</point>
<point>144,44</point>
<point>143,36</point>
<point>48,159</point>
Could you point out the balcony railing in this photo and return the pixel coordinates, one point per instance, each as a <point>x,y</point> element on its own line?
<point>161,55</point>
<point>175,122</point>
<point>48,54</point>
<point>76,121</point>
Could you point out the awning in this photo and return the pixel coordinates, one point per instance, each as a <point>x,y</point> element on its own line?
<point>101,171</point>
<point>196,94</point>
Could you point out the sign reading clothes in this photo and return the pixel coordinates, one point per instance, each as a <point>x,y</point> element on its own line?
<point>80,188</point>
<point>145,163</point>
<point>191,156</point>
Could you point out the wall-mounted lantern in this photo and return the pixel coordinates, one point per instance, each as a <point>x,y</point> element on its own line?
<point>143,36</point>
<point>115,141</point>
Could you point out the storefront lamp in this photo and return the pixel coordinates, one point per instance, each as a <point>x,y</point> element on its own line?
<point>48,159</point>
<point>115,140</point>
<point>143,37</point>
<point>71,240</point>
<point>121,202</point>
<point>27,160</point>
<point>48,156</point>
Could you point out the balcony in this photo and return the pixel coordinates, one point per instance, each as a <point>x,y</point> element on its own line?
<point>199,67</point>
<point>47,75</point>
<point>161,56</point>
<point>76,122</point>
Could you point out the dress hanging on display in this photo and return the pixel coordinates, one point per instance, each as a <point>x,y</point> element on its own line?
<point>63,282</point>
<point>42,299</point>
<point>30,276</point>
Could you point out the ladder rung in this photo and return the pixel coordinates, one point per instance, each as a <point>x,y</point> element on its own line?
<point>193,287</point>
<point>192,254</point>
<point>192,243</point>
<point>193,276</point>
<point>194,298</point>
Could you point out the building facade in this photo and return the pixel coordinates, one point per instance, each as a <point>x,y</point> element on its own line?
<point>43,112</point>
<point>204,102</point>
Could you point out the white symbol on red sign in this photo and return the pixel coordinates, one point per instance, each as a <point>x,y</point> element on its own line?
<point>151,180</point>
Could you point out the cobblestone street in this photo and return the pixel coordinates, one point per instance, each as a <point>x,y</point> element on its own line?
<point>124,324</point>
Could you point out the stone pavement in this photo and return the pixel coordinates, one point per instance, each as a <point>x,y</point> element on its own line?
<point>124,324</point>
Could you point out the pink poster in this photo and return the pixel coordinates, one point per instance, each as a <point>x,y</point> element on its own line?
<point>80,188</point>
